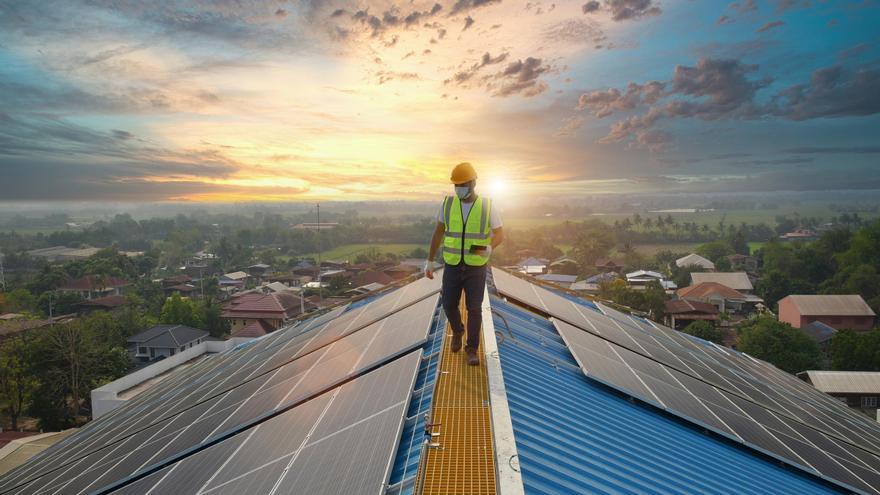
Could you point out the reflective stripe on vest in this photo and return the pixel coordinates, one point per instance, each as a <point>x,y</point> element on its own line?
<point>462,233</point>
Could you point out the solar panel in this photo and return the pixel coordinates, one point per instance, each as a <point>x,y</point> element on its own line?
<point>699,381</point>
<point>286,385</point>
<point>339,442</point>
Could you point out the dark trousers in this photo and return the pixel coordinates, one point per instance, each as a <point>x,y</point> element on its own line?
<point>472,280</point>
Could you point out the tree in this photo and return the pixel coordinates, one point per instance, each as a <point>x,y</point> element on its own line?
<point>592,245</point>
<point>784,346</point>
<point>856,351</point>
<point>19,301</point>
<point>715,250</point>
<point>17,384</point>
<point>212,319</point>
<point>180,311</point>
<point>704,330</point>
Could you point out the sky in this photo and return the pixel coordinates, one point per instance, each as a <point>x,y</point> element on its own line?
<point>273,100</point>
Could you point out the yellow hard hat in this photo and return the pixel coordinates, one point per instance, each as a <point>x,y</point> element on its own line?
<point>463,172</point>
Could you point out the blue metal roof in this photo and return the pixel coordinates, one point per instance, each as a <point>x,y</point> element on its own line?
<point>576,436</point>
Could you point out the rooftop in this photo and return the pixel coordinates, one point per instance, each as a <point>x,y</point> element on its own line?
<point>706,289</point>
<point>831,305</point>
<point>735,280</point>
<point>167,336</point>
<point>694,260</point>
<point>844,382</point>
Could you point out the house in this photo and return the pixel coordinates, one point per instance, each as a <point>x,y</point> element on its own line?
<point>274,309</point>
<point>609,265</point>
<point>564,265</point>
<point>401,271</point>
<point>859,390</point>
<point>680,313</point>
<point>371,277</point>
<point>695,260</point>
<point>533,266</point>
<point>641,279</point>
<point>253,330</point>
<point>176,280</point>
<point>721,296</point>
<point>849,312</point>
<point>559,279</point>
<point>305,268</point>
<point>185,290</point>
<point>258,270</point>
<point>738,281</point>
<point>803,235</point>
<point>235,279</point>
<point>743,263</point>
<point>106,303</point>
<point>94,286</point>
<point>591,284</point>
<point>289,279</point>
<point>162,341</point>
<point>820,333</point>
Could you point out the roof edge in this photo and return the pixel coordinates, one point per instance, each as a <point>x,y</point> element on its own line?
<point>509,477</point>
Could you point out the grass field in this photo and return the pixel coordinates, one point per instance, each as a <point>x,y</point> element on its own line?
<point>350,251</point>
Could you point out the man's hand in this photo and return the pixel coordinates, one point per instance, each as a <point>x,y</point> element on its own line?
<point>429,269</point>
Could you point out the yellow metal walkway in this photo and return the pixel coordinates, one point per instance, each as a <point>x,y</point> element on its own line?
<point>464,463</point>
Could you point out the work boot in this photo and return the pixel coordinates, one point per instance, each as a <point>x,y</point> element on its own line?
<point>473,359</point>
<point>456,342</point>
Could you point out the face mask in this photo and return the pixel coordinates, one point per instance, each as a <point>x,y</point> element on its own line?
<point>462,191</point>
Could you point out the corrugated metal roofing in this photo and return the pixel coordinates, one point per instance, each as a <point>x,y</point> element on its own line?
<point>576,436</point>
<point>831,305</point>
<point>845,382</point>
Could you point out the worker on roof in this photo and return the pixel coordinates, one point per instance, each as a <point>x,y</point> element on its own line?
<point>470,228</point>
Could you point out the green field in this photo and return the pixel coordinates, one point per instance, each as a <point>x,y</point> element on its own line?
<point>350,251</point>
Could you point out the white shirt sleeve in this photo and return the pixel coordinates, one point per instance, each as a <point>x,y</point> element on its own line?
<point>441,214</point>
<point>495,217</point>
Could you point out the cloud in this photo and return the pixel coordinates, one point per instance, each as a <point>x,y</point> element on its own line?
<point>463,6</point>
<point>462,77</point>
<point>385,76</point>
<point>717,89</point>
<point>770,25</point>
<point>468,22</point>
<point>832,92</point>
<point>623,10</point>
<point>576,31</point>
<point>521,77</point>
<point>724,19</point>
<point>744,7</point>
<point>605,102</point>
<point>124,135</point>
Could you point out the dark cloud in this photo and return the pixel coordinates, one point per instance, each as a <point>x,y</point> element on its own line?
<point>622,10</point>
<point>463,6</point>
<point>774,161</point>
<point>770,25</point>
<point>521,77</point>
<point>724,19</point>
<point>832,92</point>
<point>390,19</point>
<point>468,22</point>
<point>744,7</point>
<point>462,77</point>
<point>835,150</point>
<point>606,102</point>
<point>717,89</point>
<point>119,134</point>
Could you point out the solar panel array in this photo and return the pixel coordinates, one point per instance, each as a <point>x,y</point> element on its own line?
<point>740,397</point>
<point>227,395</point>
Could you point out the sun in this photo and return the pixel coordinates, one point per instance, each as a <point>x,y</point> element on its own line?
<point>498,188</point>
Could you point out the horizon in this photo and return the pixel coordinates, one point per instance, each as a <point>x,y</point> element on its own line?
<point>304,102</point>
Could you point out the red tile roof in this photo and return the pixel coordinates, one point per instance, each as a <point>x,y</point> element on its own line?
<point>705,289</point>
<point>256,328</point>
<point>681,306</point>
<point>277,305</point>
<point>372,277</point>
<point>93,282</point>
<point>113,301</point>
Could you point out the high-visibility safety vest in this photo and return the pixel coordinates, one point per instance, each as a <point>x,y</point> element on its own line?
<point>463,233</point>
